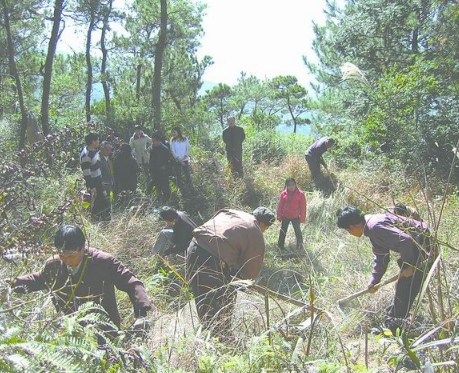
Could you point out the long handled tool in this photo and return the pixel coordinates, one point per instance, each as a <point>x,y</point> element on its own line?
<point>264,290</point>
<point>250,285</point>
<point>330,178</point>
<point>304,308</point>
<point>343,301</point>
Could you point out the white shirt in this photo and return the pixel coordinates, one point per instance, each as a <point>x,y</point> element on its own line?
<point>181,149</point>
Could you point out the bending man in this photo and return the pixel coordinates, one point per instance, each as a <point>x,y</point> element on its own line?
<point>80,274</point>
<point>314,158</point>
<point>388,232</point>
<point>229,245</point>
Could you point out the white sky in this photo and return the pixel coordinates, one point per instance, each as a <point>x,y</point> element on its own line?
<point>265,38</point>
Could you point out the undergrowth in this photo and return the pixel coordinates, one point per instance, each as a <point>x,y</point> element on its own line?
<point>38,193</point>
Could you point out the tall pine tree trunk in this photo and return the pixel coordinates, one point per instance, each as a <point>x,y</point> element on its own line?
<point>14,73</point>
<point>89,68</point>
<point>104,79</point>
<point>58,8</point>
<point>157,77</point>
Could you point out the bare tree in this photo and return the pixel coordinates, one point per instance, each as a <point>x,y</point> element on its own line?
<point>104,73</point>
<point>157,78</point>
<point>14,73</point>
<point>55,35</point>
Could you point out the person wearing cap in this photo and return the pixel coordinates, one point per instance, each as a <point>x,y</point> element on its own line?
<point>393,233</point>
<point>314,157</point>
<point>177,233</point>
<point>230,245</point>
<point>80,274</point>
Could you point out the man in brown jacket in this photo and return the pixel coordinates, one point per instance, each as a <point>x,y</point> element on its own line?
<point>80,274</point>
<point>229,245</point>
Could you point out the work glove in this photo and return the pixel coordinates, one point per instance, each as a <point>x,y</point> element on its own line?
<point>141,324</point>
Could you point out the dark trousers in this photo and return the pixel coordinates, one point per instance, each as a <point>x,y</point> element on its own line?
<point>320,181</point>
<point>235,161</point>
<point>283,231</point>
<point>406,291</point>
<point>185,169</point>
<point>160,180</point>
<point>101,209</point>
<point>314,166</point>
<point>214,299</point>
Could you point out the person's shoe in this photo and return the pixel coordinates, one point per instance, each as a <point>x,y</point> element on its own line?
<point>382,331</point>
<point>395,325</point>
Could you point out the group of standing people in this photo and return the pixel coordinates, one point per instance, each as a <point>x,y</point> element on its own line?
<point>109,177</point>
<point>159,159</point>
<point>106,177</point>
<point>165,159</point>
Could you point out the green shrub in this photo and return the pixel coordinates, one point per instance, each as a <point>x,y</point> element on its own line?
<point>266,146</point>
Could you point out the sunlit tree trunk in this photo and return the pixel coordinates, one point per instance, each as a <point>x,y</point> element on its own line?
<point>89,67</point>
<point>159,53</point>
<point>14,73</point>
<point>104,74</point>
<point>58,8</point>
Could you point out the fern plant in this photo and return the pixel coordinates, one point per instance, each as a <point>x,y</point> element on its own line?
<point>85,341</point>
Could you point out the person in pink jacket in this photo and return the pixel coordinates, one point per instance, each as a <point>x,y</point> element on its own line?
<point>291,208</point>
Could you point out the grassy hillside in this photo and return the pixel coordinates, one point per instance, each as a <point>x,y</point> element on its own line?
<point>41,188</point>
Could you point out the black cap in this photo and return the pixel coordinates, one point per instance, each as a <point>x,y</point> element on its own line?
<point>264,215</point>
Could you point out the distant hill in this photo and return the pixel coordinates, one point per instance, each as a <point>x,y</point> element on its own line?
<point>206,86</point>
<point>300,130</point>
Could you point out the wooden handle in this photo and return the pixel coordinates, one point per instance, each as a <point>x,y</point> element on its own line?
<point>275,294</point>
<point>365,291</point>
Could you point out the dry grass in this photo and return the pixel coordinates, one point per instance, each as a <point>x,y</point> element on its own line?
<point>334,265</point>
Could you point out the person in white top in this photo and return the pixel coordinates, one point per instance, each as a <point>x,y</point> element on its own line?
<point>180,148</point>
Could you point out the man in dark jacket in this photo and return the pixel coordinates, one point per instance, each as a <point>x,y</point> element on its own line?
<point>160,164</point>
<point>314,157</point>
<point>388,232</point>
<point>106,167</point>
<point>233,137</point>
<point>125,170</point>
<point>79,274</point>
<point>229,245</point>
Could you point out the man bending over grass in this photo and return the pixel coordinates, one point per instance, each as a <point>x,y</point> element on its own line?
<point>407,237</point>
<point>79,274</point>
<point>229,245</point>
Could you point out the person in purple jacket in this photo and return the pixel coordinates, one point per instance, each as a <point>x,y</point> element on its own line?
<point>314,157</point>
<point>407,237</point>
